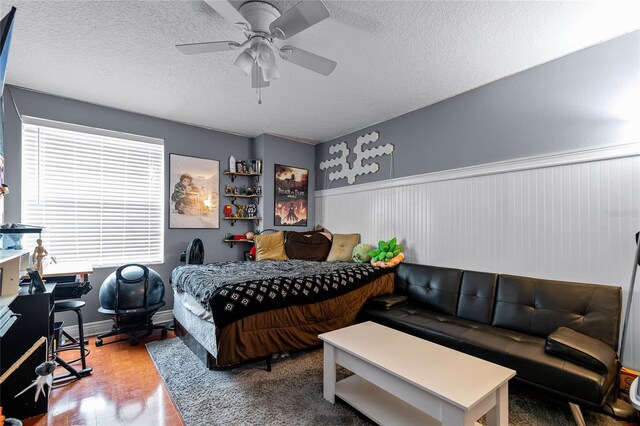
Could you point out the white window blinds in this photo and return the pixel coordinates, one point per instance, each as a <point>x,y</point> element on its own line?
<point>99,194</point>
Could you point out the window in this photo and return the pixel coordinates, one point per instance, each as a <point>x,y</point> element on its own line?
<point>98,193</point>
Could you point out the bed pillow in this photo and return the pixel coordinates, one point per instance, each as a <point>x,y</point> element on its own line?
<point>312,245</point>
<point>270,246</point>
<point>342,247</point>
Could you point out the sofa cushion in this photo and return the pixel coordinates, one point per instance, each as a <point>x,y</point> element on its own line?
<point>477,295</point>
<point>436,327</point>
<point>429,287</point>
<point>537,307</point>
<point>581,349</point>
<point>575,381</point>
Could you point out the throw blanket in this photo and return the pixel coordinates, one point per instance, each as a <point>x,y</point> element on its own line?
<point>235,290</point>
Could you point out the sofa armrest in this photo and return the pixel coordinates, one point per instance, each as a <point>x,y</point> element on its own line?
<point>581,349</point>
<point>386,302</point>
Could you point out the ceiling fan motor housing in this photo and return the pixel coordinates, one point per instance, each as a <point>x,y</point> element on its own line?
<point>259,15</point>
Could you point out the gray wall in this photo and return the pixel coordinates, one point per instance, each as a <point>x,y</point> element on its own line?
<point>586,99</point>
<point>278,150</point>
<point>178,138</point>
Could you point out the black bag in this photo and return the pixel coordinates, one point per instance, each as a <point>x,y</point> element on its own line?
<point>387,302</point>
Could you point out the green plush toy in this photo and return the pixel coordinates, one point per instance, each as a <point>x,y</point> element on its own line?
<point>388,253</point>
<point>360,253</point>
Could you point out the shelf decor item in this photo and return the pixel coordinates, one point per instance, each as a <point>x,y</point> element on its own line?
<point>291,196</point>
<point>251,210</point>
<point>194,200</point>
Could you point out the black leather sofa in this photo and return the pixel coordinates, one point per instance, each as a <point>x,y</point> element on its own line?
<point>559,336</point>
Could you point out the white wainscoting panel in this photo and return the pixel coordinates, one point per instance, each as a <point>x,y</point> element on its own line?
<point>574,222</point>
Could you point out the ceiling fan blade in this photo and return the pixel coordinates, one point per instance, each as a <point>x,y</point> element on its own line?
<point>299,18</point>
<point>308,60</point>
<point>226,10</point>
<point>257,80</point>
<point>214,46</point>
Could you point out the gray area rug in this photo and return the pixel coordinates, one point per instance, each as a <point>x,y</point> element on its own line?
<point>292,393</point>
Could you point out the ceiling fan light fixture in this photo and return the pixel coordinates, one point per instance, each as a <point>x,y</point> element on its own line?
<point>244,61</point>
<point>265,56</point>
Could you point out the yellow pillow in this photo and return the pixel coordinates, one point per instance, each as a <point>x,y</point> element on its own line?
<point>270,247</point>
<point>342,247</point>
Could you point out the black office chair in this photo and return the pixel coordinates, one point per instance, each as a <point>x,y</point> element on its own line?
<point>131,296</point>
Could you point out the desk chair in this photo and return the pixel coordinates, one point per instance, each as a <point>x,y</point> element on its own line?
<point>131,296</point>
<point>75,306</point>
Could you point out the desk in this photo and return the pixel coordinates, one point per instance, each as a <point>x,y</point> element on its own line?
<point>37,321</point>
<point>63,269</point>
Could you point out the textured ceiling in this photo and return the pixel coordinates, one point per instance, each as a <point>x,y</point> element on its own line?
<point>393,57</point>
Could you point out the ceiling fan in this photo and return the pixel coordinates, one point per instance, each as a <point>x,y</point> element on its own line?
<point>262,25</point>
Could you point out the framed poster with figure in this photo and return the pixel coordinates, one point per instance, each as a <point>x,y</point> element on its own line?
<point>291,196</point>
<point>194,199</point>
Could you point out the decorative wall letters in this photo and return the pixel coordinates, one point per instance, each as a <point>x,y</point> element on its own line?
<point>357,169</point>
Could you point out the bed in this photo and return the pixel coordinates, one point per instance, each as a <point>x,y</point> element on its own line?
<point>231,312</point>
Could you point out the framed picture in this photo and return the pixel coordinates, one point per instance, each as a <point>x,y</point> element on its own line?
<point>291,196</point>
<point>194,200</point>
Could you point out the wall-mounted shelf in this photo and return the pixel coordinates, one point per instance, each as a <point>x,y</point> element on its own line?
<point>231,242</point>
<point>234,174</point>
<point>233,219</point>
<point>234,196</point>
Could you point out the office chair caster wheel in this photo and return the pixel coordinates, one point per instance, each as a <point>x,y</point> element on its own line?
<point>134,341</point>
<point>163,332</point>
<point>98,342</point>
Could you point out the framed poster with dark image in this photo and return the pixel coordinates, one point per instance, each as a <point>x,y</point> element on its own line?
<point>194,198</point>
<point>291,196</point>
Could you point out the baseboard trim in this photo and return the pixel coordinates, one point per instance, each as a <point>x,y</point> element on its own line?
<point>98,327</point>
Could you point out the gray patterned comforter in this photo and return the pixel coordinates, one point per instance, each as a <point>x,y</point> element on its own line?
<point>233,290</point>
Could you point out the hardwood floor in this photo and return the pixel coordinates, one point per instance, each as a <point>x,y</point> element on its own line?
<point>124,389</point>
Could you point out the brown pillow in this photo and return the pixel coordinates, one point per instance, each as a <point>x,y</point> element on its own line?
<point>270,247</point>
<point>342,247</point>
<point>312,245</point>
